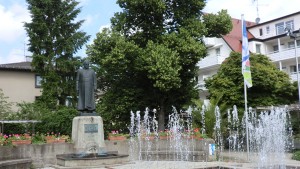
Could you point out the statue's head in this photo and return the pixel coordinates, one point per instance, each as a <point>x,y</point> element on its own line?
<point>86,64</point>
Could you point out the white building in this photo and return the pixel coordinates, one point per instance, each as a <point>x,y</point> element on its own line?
<point>268,38</point>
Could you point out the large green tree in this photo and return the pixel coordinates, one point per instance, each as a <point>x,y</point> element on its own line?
<point>54,38</point>
<point>148,58</point>
<point>270,85</point>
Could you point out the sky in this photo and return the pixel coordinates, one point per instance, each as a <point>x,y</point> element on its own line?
<point>97,14</point>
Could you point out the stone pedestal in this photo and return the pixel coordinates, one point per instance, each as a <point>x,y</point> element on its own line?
<point>88,134</point>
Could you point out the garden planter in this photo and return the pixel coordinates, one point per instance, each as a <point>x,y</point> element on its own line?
<point>164,137</point>
<point>20,142</point>
<point>116,138</point>
<point>55,140</point>
<point>148,137</point>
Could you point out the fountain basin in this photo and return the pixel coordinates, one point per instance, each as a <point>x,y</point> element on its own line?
<point>174,155</point>
<point>75,160</point>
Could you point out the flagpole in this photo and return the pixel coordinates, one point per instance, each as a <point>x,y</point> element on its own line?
<point>245,91</point>
<point>246,120</point>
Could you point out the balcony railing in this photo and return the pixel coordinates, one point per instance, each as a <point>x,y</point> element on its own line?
<point>210,61</point>
<point>201,85</point>
<point>293,76</point>
<point>209,42</point>
<point>284,54</point>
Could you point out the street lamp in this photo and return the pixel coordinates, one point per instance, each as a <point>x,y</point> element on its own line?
<point>294,36</point>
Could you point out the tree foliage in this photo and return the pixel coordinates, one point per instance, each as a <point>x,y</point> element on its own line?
<point>148,58</point>
<point>270,85</point>
<point>5,106</point>
<point>54,38</point>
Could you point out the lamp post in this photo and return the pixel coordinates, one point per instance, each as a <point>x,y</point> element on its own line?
<point>294,36</point>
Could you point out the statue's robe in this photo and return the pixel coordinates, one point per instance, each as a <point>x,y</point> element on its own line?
<point>86,86</point>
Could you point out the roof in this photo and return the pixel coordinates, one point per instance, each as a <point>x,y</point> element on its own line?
<point>233,39</point>
<point>273,20</point>
<point>25,66</point>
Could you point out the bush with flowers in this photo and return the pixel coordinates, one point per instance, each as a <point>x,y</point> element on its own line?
<point>56,137</point>
<point>196,132</point>
<point>3,139</point>
<point>164,133</point>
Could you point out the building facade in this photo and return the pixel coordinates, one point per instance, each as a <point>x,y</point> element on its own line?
<point>19,83</point>
<point>268,38</point>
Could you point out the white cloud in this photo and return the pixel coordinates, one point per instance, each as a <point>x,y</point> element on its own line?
<point>267,10</point>
<point>104,26</point>
<point>12,21</point>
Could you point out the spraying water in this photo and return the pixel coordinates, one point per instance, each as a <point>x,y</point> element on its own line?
<point>269,137</point>
<point>203,119</point>
<point>218,134</point>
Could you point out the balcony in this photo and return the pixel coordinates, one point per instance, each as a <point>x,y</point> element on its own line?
<point>209,42</point>
<point>285,54</point>
<point>210,61</point>
<point>201,85</point>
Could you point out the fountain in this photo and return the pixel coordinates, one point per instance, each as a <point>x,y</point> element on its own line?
<point>178,146</point>
<point>269,139</point>
<point>270,136</point>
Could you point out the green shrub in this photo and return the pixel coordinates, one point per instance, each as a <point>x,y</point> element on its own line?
<point>296,155</point>
<point>38,138</point>
<point>58,121</point>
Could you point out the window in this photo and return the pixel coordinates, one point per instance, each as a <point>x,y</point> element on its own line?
<point>37,98</point>
<point>218,52</point>
<point>298,43</point>
<point>293,68</point>
<point>275,48</point>
<point>289,24</point>
<point>267,29</point>
<point>38,81</point>
<point>258,46</point>
<point>280,26</point>
<point>291,44</point>
<point>260,32</point>
<point>283,69</point>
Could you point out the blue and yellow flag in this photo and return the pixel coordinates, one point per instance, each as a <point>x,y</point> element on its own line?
<point>245,56</point>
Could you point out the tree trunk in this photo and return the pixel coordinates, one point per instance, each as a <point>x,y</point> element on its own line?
<point>161,118</point>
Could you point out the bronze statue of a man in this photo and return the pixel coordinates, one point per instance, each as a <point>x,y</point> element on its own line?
<point>86,84</point>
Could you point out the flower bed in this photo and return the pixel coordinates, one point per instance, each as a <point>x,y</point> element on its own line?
<point>18,139</point>
<point>56,138</point>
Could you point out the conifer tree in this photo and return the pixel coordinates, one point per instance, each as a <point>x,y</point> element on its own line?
<point>54,38</point>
